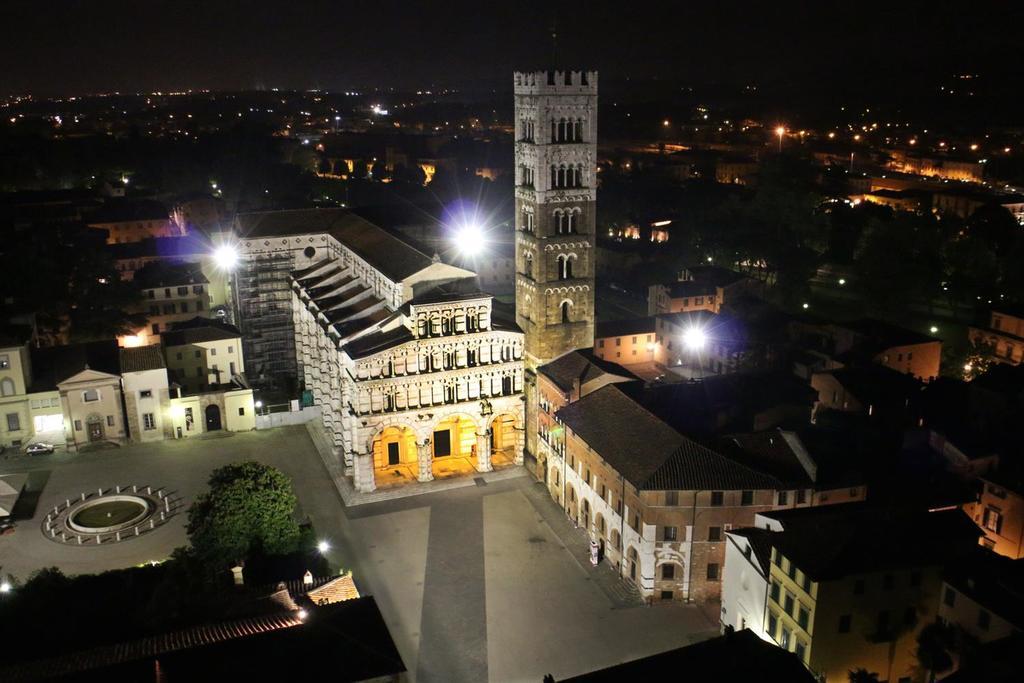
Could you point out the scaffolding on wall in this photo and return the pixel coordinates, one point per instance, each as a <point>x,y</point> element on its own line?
<point>265,315</point>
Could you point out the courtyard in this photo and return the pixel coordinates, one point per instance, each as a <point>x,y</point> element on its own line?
<point>487,581</point>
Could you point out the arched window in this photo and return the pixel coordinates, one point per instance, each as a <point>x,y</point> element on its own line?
<point>570,221</point>
<point>554,127</point>
<point>560,221</point>
<point>554,176</point>
<point>566,305</point>
<point>561,130</point>
<point>578,130</point>
<point>565,267</point>
<point>7,387</point>
<point>528,266</point>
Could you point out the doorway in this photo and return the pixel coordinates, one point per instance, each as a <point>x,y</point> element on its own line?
<point>95,430</point>
<point>212,418</point>
<point>394,455</point>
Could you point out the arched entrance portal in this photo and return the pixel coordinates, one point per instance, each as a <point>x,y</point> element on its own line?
<point>212,418</point>
<point>503,440</point>
<point>453,446</point>
<point>395,457</point>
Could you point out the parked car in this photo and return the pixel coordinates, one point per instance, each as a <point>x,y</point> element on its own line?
<point>39,448</point>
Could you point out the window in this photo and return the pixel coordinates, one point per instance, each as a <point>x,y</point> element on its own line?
<point>784,638</point>
<point>199,354</point>
<point>801,497</point>
<point>5,362</point>
<point>671,498</point>
<point>184,307</point>
<point>714,533</point>
<point>198,289</point>
<point>78,425</point>
<point>792,570</point>
<point>803,617</point>
<point>773,622</point>
<point>241,411</point>
<point>950,597</point>
<point>618,341</point>
<point>668,571</point>
<point>213,351</point>
<point>858,587</point>
<point>182,291</point>
<point>787,604</point>
<point>776,557</point>
<point>669,533</point>
<point>168,309</point>
<point>7,387</point>
<point>110,420</point>
<point>776,590</point>
<point>783,497</point>
<point>13,422</point>
<point>844,623</point>
<point>992,520</point>
<point>717,498</point>
<point>666,595</point>
<point>146,393</point>
<point>807,584</point>
<point>712,571</point>
<point>155,328</point>
<point>747,498</point>
<point>90,395</point>
<point>148,421</point>
<point>801,651</point>
<point>984,619</point>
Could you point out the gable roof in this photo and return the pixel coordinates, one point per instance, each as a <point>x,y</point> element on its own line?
<point>142,358</point>
<point>169,274</point>
<point>581,365</point>
<point>760,544</point>
<point>385,251</point>
<point>622,328</point>
<point>198,330</point>
<point>647,452</point>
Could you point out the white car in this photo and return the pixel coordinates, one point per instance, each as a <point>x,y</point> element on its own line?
<point>39,448</point>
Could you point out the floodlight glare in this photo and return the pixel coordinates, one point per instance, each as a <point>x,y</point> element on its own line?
<point>225,256</point>
<point>470,240</point>
<point>323,547</point>
<point>694,339</point>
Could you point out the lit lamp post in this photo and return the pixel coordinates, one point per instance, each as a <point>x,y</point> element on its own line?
<point>780,131</point>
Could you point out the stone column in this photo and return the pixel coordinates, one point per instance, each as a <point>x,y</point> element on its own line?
<point>425,459</point>
<point>520,444</point>
<point>483,451</point>
<point>363,473</point>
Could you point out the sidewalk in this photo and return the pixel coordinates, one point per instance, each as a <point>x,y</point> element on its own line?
<point>619,591</point>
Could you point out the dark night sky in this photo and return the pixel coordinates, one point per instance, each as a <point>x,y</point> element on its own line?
<point>77,46</point>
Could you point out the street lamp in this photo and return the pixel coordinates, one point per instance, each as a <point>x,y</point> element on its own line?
<point>780,131</point>
<point>5,587</point>
<point>470,240</point>
<point>695,339</point>
<point>322,547</point>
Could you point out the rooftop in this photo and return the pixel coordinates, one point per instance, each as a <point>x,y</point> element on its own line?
<point>168,274</point>
<point>125,210</point>
<point>623,328</point>
<point>385,251</point>
<point>582,366</point>
<point>142,358</point>
<point>993,581</point>
<point>198,330</point>
<point>54,364</point>
<point>834,541</point>
<point>738,656</point>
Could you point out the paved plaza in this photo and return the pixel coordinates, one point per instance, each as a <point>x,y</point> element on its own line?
<point>482,582</point>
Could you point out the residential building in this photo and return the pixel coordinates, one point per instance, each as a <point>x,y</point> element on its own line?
<point>850,586</point>
<point>869,341</point>
<point>699,288</point>
<point>626,341</point>
<point>134,220</point>
<point>204,353</point>
<point>739,656</point>
<point>171,293</point>
<point>877,392</point>
<point>748,553</point>
<point>147,398</point>
<point>983,597</point>
<point>963,202</point>
<point>1005,333</point>
<point>658,512</point>
<point>999,510</point>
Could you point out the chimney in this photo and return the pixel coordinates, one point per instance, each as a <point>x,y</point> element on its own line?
<point>307,578</point>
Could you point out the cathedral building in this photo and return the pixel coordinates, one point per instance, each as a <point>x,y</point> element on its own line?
<point>417,373</point>
<point>555,218</point>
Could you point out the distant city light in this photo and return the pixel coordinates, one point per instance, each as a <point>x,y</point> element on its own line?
<point>258,404</point>
<point>806,306</point>
<point>303,614</point>
<point>695,339</point>
<point>226,256</point>
<point>5,587</point>
<point>842,280</point>
<point>933,329</point>
<point>665,122</point>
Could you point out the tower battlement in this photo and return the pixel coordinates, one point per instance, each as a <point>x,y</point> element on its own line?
<point>555,82</point>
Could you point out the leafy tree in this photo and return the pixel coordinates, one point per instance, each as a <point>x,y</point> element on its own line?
<point>862,676</point>
<point>248,509</point>
<point>934,642</point>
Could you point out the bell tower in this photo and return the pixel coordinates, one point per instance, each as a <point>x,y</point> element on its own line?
<point>556,201</point>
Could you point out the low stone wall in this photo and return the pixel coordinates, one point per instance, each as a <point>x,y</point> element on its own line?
<point>297,417</point>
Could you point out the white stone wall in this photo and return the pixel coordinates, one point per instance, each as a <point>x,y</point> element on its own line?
<point>744,588</point>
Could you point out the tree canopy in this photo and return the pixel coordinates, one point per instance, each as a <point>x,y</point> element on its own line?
<point>249,509</point>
